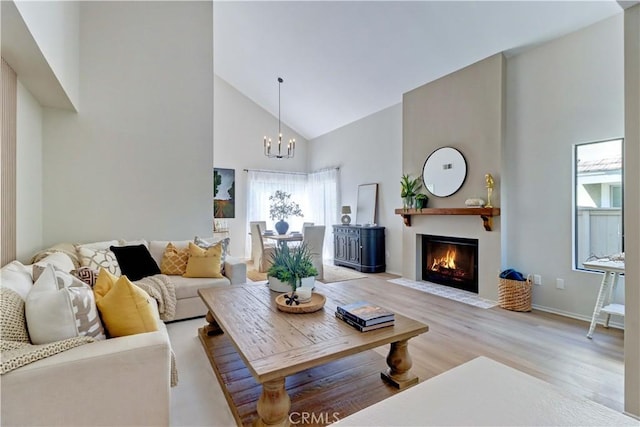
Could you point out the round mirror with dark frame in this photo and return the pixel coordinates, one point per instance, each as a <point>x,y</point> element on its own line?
<point>444,172</point>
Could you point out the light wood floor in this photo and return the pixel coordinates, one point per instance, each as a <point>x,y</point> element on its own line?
<point>551,347</point>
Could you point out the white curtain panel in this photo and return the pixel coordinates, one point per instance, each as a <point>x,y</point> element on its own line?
<point>316,193</point>
<point>323,202</point>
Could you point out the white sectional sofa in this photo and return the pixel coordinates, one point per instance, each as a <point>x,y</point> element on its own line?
<point>119,381</point>
<point>188,303</point>
<point>123,381</point>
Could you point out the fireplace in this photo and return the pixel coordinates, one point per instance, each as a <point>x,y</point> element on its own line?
<point>450,261</point>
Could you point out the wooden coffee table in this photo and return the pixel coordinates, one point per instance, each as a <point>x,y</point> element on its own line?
<point>274,344</point>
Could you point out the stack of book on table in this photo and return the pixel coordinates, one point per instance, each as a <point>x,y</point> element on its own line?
<point>365,316</point>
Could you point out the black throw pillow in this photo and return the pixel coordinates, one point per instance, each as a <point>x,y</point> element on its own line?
<point>135,261</point>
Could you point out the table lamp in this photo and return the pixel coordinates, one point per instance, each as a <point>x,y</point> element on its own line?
<point>346,219</point>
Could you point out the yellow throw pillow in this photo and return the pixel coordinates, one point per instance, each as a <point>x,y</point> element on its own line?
<point>126,309</point>
<point>204,262</point>
<point>104,283</point>
<point>174,261</point>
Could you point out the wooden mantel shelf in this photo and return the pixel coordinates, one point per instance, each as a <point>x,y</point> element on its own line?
<point>486,214</point>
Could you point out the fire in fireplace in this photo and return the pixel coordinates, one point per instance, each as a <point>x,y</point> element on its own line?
<point>450,261</point>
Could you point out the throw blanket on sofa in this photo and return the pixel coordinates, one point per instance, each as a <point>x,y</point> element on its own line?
<point>160,288</point>
<point>15,348</point>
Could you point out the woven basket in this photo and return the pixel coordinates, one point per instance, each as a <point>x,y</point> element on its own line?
<point>515,295</point>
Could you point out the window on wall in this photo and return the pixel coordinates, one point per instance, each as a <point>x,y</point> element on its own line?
<point>598,202</point>
<point>315,193</point>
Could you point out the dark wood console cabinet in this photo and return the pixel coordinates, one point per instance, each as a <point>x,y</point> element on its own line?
<point>361,248</point>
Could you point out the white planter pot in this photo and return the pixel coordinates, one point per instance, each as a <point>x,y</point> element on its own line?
<point>279,286</point>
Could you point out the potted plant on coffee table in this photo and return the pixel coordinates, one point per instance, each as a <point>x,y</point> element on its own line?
<point>291,269</point>
<point>282,207</point>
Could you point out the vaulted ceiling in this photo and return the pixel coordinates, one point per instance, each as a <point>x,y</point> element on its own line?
<point>343,60</point>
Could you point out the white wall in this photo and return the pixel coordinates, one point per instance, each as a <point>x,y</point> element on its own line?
<point>28,175</point>
<point>55,28</point>
<point>567,91</point>
<point>368,151</point>
<point>239,127</point>
<point>135,161</point>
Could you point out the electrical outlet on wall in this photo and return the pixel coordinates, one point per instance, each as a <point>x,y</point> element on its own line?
<point>537,279</point>
<point>560,283</point>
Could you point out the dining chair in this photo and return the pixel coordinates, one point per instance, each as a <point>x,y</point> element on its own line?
<point>262,224</point>
<point>314,239</point>
<point>306,224</point>
<point>260,252</point>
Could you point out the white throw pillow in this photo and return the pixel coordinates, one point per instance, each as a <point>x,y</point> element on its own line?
<point>59,306</point>
<point>96,258</point>
<point>17,277</point>
<point>59,260</point>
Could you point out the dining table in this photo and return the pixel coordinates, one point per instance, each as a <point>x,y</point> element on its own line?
<point>283,239</point>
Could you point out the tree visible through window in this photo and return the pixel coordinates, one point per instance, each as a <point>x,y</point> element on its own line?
<point>598,203</point>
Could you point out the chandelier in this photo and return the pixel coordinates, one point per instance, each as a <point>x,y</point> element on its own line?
<point>278,152</point>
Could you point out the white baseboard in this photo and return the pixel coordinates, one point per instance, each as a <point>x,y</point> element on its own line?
<point>612,323</point>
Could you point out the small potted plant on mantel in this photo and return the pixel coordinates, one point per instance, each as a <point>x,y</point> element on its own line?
<point>292,268</point>
<point>282,207</point>
<point>421,201</point>
<point>408,190</point>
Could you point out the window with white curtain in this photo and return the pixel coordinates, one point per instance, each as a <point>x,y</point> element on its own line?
<point>323,204</point>
<point>316,193</point>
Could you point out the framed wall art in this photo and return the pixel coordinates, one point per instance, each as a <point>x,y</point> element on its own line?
<point>224,193</point>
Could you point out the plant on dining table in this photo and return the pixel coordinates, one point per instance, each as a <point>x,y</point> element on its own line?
<point>282,207</point>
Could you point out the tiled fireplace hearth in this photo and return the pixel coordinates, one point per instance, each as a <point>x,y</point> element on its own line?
<point>450,261</point>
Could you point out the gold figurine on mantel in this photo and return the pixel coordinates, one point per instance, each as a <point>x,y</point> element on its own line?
<point>490,184</point>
